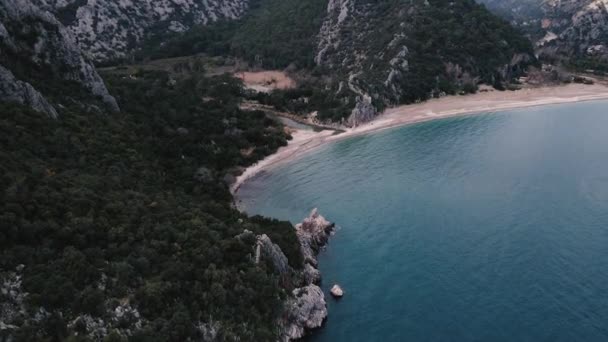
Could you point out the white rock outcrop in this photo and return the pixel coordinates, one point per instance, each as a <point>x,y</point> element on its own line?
<point>264,246</point>
<point>313,233</point>
<point>337,291</point>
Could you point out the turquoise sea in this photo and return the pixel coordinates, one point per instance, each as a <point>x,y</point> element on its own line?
<point>490,227</point>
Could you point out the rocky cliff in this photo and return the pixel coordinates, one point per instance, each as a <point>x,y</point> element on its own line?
<point>108,29</point>
<point>306,309</point>
<point>390,52</point>
<point>560,29</point>
<point>40,64</point>
<point>14,90</point>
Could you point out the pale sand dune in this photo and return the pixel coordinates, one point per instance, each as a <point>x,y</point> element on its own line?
<point>305,141</point>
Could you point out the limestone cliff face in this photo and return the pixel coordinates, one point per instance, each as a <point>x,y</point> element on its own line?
<point>38,56</point>
<point>108,29</point>
<point>393,52</point>
<point>265,247</point>
<point>559,28</point>
<point>14,90</point>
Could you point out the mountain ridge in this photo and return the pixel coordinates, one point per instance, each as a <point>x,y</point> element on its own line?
<point>394,52</point>
<point>108,30</point>
<point>563,31</point>
<point>39,58</point>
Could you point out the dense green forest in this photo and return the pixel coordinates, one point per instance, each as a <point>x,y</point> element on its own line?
<point>131,209</point>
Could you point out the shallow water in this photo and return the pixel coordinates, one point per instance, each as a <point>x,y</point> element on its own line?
<point>490,227</point>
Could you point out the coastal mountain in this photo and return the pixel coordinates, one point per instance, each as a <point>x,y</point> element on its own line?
<point>116,220</point>
<point>356,57</point>
<point>116,217</point>
<point>41,66</point>
<point>574,31</point>
<point>109,29</point>
<point>383,53</point>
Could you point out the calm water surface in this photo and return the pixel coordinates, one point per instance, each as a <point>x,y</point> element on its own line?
<point>483,228</point>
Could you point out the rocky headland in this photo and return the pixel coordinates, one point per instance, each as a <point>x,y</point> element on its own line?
<point>306,309</point>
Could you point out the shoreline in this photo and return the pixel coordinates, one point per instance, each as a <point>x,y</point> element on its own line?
<point>449,106</point>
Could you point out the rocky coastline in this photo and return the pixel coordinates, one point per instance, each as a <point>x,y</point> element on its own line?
<point>306,309</point>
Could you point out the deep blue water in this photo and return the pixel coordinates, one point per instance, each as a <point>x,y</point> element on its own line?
<point>491,227</point>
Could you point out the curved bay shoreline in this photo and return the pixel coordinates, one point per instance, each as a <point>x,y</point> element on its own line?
<point>449,106</point>
<point>307,309</point>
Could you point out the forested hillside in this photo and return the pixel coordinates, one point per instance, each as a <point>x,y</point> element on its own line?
<point>121,224</point>
<point>393,52</point>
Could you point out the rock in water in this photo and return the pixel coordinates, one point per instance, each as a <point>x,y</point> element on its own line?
<point>337,291</point>
<point>313,234</point>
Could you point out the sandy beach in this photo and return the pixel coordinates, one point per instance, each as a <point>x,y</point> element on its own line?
<point>481,102</point>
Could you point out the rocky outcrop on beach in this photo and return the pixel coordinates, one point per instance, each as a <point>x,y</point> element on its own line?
<point>40,62</point>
